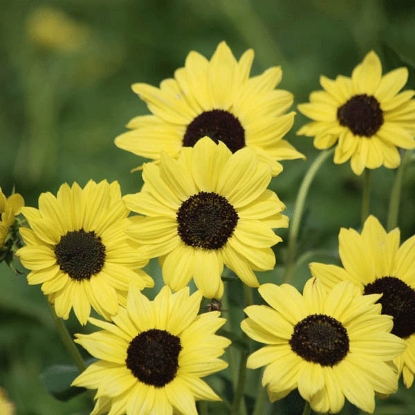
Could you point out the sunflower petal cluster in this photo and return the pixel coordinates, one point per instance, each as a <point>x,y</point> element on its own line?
<point>10,207</point>
<point>206,209</point>
<point>330,345</point>
<point>365,116</point>
<point>153,354</point>
<point>218,99</point>
<point>78,249</point>
<point>376,262</point>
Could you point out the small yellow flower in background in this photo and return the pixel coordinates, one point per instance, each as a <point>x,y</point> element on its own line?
<point>365,115</point>
<point>377,264</point>
<point>6,407</point>
<point>54,29</point>
<point>152,358</point>
<point>9,208</point>
<point>79,251</point>
<point>218,99</point>
<point>332,345</point>
<point>208,208</point>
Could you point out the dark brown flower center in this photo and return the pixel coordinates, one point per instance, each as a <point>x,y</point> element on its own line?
<point>206,220</point>
<point>219,125</point>
<point>80,254</point>
<point>320,339</point>
<point>153,357</point>
<point>361,114</point>
<point>398,301</point>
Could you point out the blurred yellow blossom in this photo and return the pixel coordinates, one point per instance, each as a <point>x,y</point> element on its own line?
<point>53,29</point>
<point>6,407</point>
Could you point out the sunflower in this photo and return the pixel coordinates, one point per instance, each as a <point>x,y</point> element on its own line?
<point>365,114</point>
<point>79,251</point>
<point>9,208</point>
<point>332,345</point>
<point>215,98</point>
<point>377,263</point>
<point>6,407</point>
<point>206,209</point>
<point>152,358</point>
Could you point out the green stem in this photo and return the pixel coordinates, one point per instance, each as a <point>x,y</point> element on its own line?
<point>241,383</point>
<point>260,400</point>
<point>366,196</point>
<point>298,211</point>
<point>69,344</point>
<point>307,408</point>
<point>240,386</point>
<point>395,197</point>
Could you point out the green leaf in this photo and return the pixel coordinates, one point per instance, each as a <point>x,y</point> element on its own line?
<point>394,59</point>
<point>58,378</point>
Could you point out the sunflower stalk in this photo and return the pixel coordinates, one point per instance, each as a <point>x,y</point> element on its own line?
<point>260,400</point>
<point>67,341</point>
<point>240,386</point>
<point>366,196</point>
<point>298,211</point>
<point>395,198</point>
<point>307,408</point>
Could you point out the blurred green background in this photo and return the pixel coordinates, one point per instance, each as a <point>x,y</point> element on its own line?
<point>65,75</point>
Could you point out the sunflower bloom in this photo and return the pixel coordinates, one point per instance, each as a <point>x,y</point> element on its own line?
<point>79,251</point>
<point>365,115</point>
<point>377,263</point>
<point>152,358</point>
<point>332,345</point>
<point>9,208</point>
<point>6,407</point>
<point>218,99</point>
<point>207,209</point>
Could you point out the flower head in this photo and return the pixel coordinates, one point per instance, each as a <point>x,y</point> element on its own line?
<point>53,29</point>
<point>6,406</point>
<point>375,261</point>
<point>365,115</point>
<point>218,99</point>
<point>206,209</point>
<point>9,208</point>
<point>79,251</point>
<point>152,358</point>
<point>332,345</point>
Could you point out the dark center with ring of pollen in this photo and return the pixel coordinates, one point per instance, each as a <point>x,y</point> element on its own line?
<point>398,301</point>
<point>219,125</point>
<point>206,220</point>
<point>80,254</point>
<point>361,114</point>
<point>320,339</point>
<point>153,357</point>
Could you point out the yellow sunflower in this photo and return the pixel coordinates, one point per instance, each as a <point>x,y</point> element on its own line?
<point>206,209</point>
<point>332,345</point>
<point>218,99</point>
<point>9,208</point>
<point>152,358</point>
<point>365,114</point>
<point>375,261</point>
<point>6,407</point>
<point>79,251</point>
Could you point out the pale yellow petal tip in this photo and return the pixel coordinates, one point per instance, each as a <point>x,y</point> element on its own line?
<point>371,56</point>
